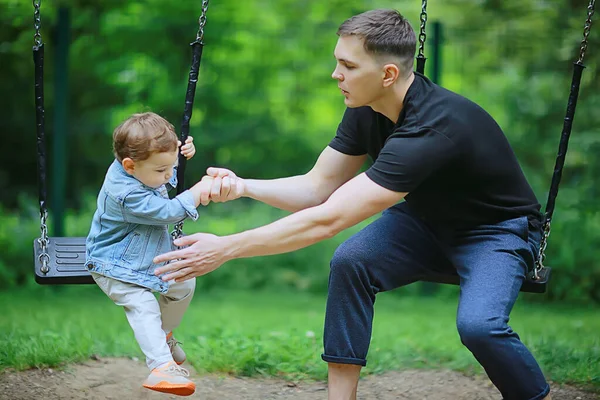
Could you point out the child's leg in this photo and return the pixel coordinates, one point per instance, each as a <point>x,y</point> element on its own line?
<point>143,314</point>
<point>175,302</point>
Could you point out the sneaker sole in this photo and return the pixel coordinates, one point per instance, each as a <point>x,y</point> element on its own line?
<point>179,390</point>
<point>179,363</point>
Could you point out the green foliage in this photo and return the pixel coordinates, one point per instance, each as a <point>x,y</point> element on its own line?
<point>277,333</point>
<point>17,232</point>
<point>574,255</point>
<point>266,105</point>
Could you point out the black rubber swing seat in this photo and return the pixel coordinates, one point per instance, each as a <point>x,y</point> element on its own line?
<point>66,262</point>
<point>530,285</point>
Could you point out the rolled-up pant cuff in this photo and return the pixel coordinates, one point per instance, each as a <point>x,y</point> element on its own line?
<point>543,394</point>
<point>343,360</point>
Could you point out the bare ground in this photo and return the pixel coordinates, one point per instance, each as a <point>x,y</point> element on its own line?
<point>119,378</point>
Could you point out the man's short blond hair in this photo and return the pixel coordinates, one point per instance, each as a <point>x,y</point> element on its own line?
<point>143,134</point>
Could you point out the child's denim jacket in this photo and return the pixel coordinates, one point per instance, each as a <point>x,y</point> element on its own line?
<point>130,228</point>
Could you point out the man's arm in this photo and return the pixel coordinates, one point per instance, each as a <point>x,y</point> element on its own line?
<point>331,171</point>
<point>352,203</point>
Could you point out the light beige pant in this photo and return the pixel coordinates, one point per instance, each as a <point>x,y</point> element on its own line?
<point>150,319</point>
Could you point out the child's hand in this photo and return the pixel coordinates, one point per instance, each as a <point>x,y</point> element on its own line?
<point>188,150</point>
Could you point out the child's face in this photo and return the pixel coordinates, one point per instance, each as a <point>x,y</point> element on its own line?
<point>156,170</point>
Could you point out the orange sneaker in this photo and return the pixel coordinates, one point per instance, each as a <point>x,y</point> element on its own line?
<point>170,378</point>
<point>176,350</point>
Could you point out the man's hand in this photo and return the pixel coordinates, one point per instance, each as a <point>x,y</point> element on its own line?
<point>204,254</point>
<point>208,252</point>
<point>226,186</point>
<point>188,149</point>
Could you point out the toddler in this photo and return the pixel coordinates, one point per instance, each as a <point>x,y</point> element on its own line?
<point>130,228</point>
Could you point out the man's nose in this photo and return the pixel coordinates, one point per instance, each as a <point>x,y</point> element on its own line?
<point>336,75</point>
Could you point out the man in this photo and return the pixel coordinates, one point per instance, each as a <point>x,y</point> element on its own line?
<point>467,207</point>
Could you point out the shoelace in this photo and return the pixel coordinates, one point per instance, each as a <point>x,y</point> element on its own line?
<point>172,342</point>
<point>177,370</point>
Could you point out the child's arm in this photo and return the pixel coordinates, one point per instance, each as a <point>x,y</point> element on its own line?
<point>143,207</point>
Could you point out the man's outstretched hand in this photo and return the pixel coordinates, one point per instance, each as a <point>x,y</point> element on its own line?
<point>226,186</point>
<point>204,254</point>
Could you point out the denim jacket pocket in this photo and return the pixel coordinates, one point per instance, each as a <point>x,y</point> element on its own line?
<point>132,249</point>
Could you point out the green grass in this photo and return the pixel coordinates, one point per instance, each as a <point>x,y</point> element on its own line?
<point>280,334</point>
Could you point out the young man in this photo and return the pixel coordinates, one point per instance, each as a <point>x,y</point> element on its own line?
<point>467,207</point>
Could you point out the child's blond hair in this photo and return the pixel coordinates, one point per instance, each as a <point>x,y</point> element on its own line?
<point>143,134</point>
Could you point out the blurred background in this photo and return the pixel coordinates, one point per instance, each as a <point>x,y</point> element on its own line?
<point>266,106</point>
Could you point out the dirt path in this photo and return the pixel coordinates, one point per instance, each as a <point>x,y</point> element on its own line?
<point>120,378</point>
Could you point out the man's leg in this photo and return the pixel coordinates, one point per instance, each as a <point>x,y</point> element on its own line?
<point>391,252</point>
<point>492,262</point>
<point>343,380</point>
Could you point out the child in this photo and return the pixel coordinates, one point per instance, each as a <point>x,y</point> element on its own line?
<point>130,227</point>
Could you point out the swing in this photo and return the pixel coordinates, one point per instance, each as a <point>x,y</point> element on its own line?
<point>60,260</point>
<point>537,279</point>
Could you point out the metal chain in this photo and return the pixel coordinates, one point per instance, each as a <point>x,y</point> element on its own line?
<point>37,23</point>
<point>539,265</point>
<point>202,21</point>
<point>178,228</point>
<point>422,35</point>
<point>178,231</point>
<point>586,31</point>
<point>43,241</point>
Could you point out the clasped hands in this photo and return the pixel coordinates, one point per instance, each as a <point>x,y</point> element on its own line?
<point>221,185</point>
<point>202,253</point>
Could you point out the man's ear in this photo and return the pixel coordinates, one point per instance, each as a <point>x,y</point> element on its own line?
<point>128,165</point>
<point>391,72</point>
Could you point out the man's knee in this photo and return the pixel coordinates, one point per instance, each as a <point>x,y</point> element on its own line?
<point>481,331</point>
<point>349,259</point>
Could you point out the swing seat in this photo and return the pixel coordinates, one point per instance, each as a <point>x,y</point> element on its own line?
<point>66,262</point>
<point>529,285</point>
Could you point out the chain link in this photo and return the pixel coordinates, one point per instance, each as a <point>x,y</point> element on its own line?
<point>43,241</point>
<point>586,31</point>
<point>422,35</point>
<point>37,22</point>
<point>202,21</point>
<point>539,264</point>
<point>177,231</point>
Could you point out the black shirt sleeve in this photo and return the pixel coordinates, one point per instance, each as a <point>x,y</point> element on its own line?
<point>407,159</point>
<point>349,138</point>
